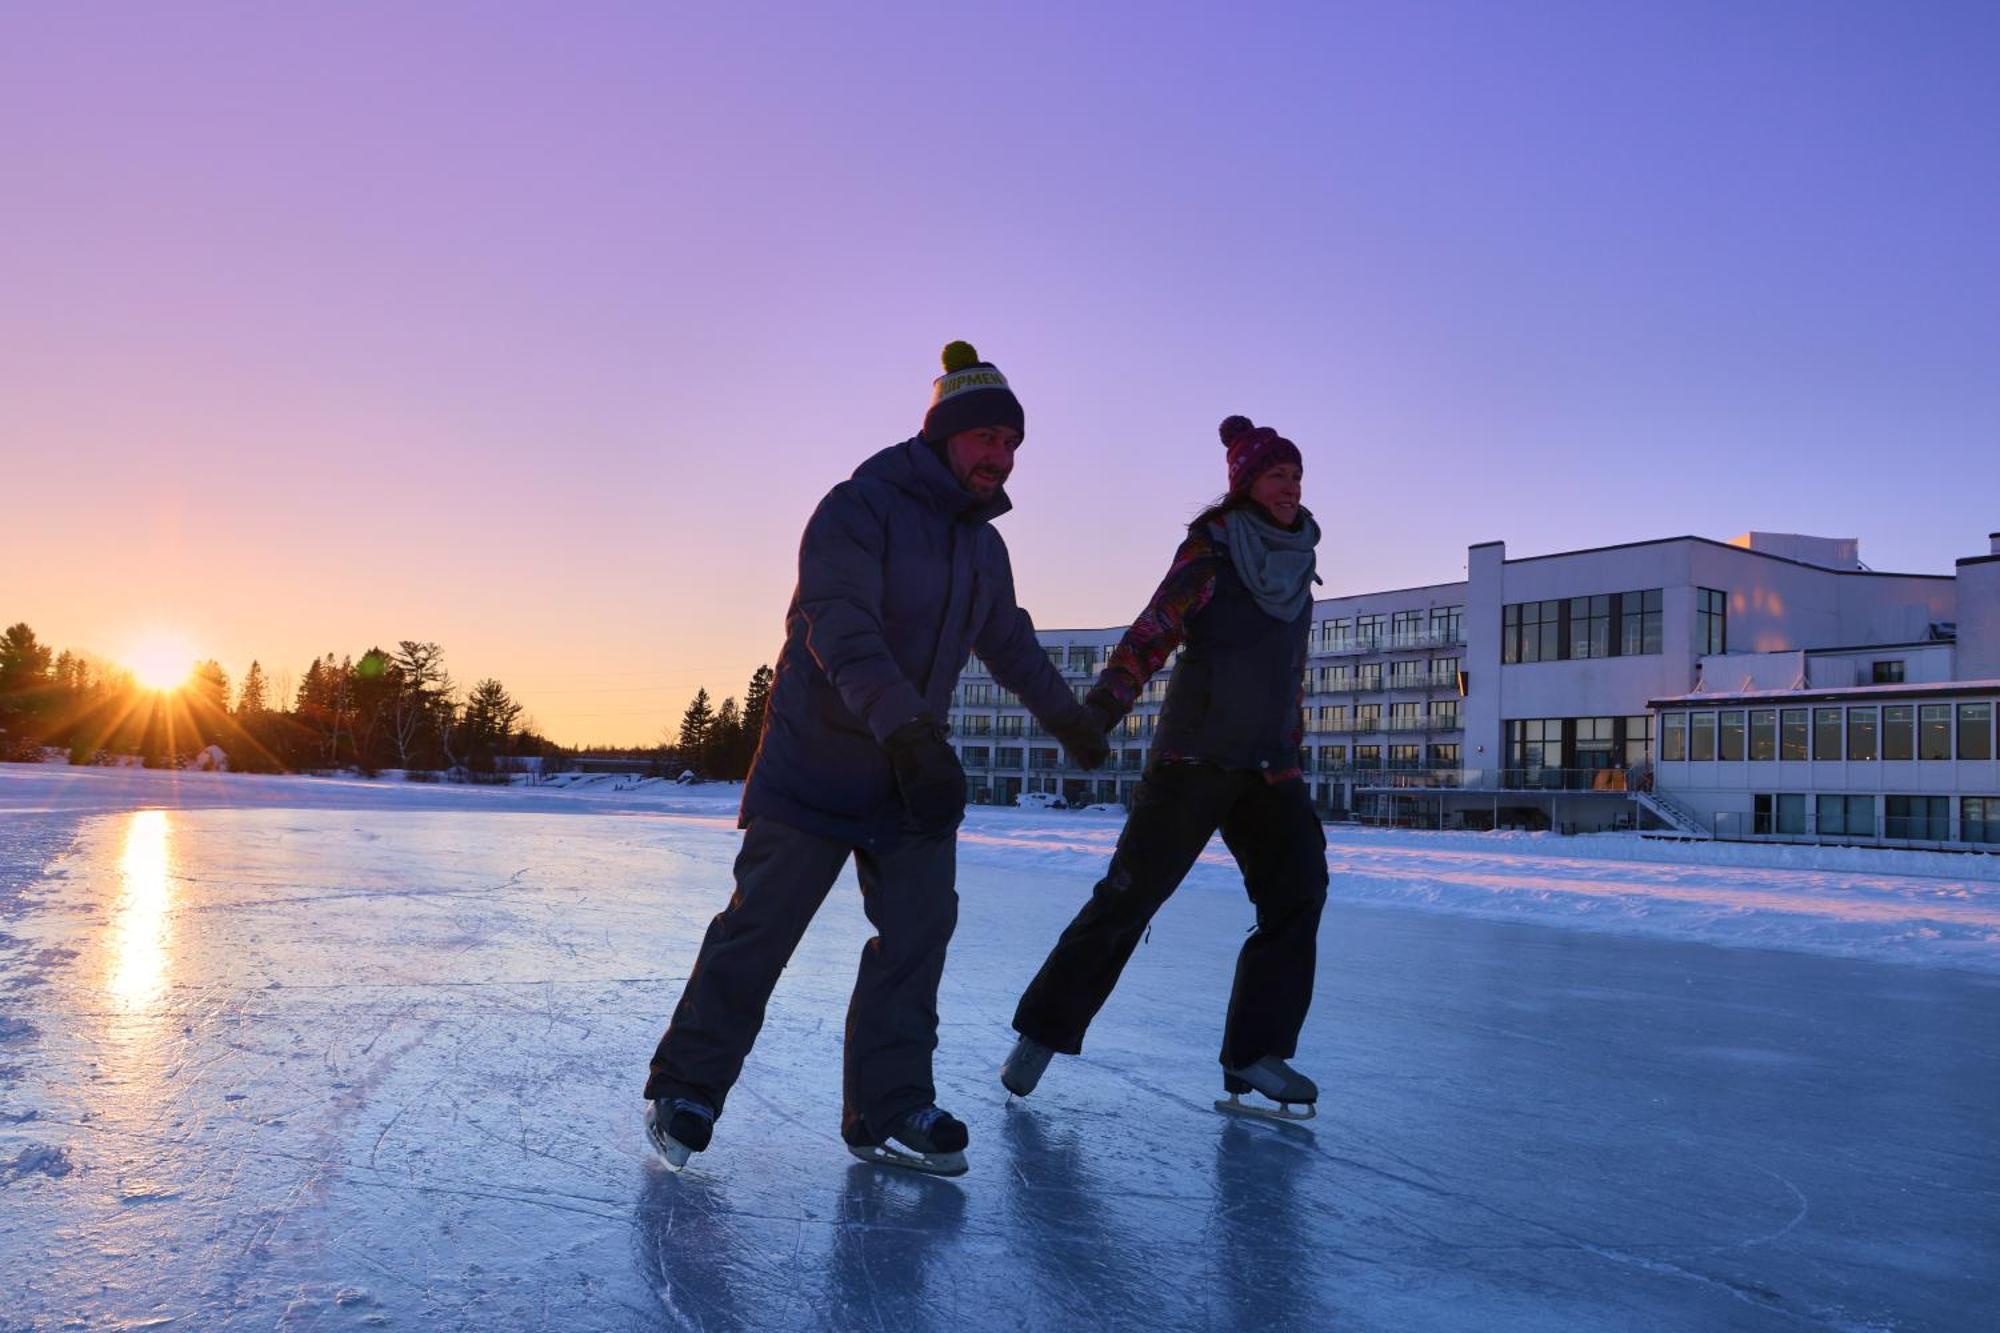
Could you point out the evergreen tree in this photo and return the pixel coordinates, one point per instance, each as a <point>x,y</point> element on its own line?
<point>695,723</point>
<point>487,726</point>
<point>250,699</point>
<point>725,739</point>
<point>25,691</point>
<point>756,698</point>
<point>208,704</point>
<point>422,706</point>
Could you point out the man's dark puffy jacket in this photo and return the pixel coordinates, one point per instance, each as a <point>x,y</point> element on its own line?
<point>901,576</point>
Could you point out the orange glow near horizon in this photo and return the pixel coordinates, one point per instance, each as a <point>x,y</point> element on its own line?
<point>161,662</point>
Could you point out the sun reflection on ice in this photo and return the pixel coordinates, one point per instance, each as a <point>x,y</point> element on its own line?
<point>139,931</point>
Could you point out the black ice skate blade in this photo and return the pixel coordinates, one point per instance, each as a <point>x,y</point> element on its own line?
<point>1235,1105</point>
<point>931,1164</point>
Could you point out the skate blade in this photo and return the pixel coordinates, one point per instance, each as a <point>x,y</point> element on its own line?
<point>671,1151</point>
<point>931,1164</point>
<point>1234,1105</point>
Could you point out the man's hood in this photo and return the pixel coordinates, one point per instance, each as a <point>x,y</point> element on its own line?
<point>915,468</point>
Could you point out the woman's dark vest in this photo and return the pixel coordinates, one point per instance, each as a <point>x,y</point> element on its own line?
<point>1233,699</point>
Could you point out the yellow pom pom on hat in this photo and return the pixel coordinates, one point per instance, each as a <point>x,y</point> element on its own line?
<point>969,395</point>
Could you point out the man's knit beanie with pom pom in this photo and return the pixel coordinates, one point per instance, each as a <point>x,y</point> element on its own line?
<point>1253,451</point>
<point>970,394</point>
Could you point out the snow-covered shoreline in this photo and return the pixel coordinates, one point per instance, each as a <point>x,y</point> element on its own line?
<point>1923,908</point>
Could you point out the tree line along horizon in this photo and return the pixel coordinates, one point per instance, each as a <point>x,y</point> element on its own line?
<point>389,709</point>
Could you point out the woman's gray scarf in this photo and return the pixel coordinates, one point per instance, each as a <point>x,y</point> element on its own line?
<point>1274,564</point>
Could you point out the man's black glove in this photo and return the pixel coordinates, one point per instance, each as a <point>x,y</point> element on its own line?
<point>1081,731</point>
<point>928,774</point>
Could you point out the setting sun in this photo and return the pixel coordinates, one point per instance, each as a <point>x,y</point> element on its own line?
<point>161,662</point>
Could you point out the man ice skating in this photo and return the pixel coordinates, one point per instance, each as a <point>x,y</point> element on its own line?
<point>901,575</point>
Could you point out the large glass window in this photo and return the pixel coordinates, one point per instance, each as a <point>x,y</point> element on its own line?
<point>1826,733</point>
<point>975,756</point>
<point>1711,621</point>
<point>1919,818</point>
<point>1979,819</point>
<point>1534,743</point>
<point>980,724</point>
<point>1792,812</point>
<point>1975,731</point>
<point>1860,734</point>
<point>1368,717</point>
<point>1763,733</point>
<point>1531,632</point>
<point>1730,744</point>
<point>1888,673</point>
<point>1370,629</point>
<point>1405,756</point>
<point>1701,736</point>
<point>1332,758</point>
<point>1673,737</point>
<point>1007,756</point>
<point>1406,716</point>
<point>1444,714</point>
<point>1446,624</point>
<point>1638,739</point>
<point>1762,820</point>
<point>1639,622</point>
<point>1008,725</point>
<point>1407,674</point>
<point>1899,731</point>
<point>1368,676</point>
<point>1368,756</point>
<point>1590,626</point>
<point>1934,731</point>
<point>1596,741</point>
<point>1444,755</point>
<point>1847,816</point>
<point>1339,634</point>
<point>1792,733</point>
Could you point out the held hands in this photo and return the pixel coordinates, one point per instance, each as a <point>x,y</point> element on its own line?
<point>928,775</point>
<point>1081,731</point>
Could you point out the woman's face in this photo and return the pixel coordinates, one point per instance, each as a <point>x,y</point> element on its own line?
<point>1277,489</point>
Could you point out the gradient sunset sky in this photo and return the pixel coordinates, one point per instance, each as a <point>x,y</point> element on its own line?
<point>538,330</point>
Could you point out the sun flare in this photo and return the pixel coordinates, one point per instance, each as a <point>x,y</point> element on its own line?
<point>161,662</point>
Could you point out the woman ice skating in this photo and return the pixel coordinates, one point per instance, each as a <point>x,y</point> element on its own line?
<point>1226,756</point>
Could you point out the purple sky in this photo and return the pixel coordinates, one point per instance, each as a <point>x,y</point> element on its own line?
<point>538,331</point>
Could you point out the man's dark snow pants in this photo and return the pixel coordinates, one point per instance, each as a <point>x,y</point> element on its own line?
<point>782,876</point>
<point>1275,835</point>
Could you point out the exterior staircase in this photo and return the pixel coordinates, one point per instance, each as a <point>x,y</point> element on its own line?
<point>1680,821</point>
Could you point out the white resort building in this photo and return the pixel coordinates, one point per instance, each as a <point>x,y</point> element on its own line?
<point>1771,686</point>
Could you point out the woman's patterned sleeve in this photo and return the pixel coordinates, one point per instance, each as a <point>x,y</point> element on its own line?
<point>1159,629</point>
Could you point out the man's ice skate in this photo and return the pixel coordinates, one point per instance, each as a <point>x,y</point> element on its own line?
<point>927,1140</point>
<point>1274,1079</point>
<point>1022,1069</point>
<point>678,1127</point>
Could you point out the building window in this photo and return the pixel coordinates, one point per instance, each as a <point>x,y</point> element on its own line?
<point>1979,819</point>
<point>1730,746</point>
<point>1847,816</point>
<point>1368,676</point>
<point>1445,756</point>
<point>1860,734</point>
<point>1534,743</point>
<point>1792,733</point>
<point>1762,821</point>
<point>1007,756</point>
<point>1531,632</point>
<point>1043,758</point>
<point>1444,714</point>
<point>1975,731</point>
<point>1447,624</point>
<point>1404,756</point>
<point>1792,812</point>
<point>1368,756</point>
<point>1332,758</point>
<point>1701,736</point>
<point>1763,734</point>
<point>1889,673</point>
<point>1405,717</point>
<point>1898,732</point>
<point>1008,725</point>
<point>1639,622</point>
<point>1082,660</point>
<point>1673,737</point>
<point>1339,635</point>
<point>975,756</point>
<point>1406,675</point>
<point>1368,717</point>
<point>1638,739</point>
<point>979,725</point>
<point>1934,731</point>
<point>1406,628</point>
<point>1826,733</point>
<point>1711,622</point>
<point>1590,626</point>
<point>1918,818</point>
<point>1444,673</point>
<point>1368,630</point>
<point>978,696</point>
<point>1596,742</point>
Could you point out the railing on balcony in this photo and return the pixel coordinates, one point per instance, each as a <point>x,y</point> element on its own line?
<point>1375,685</point>
<point>1367,726</point>
<point>1391,642</point>
<point>1606,780</point>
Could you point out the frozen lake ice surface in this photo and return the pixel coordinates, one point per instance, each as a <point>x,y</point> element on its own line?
<point>287,1053</point>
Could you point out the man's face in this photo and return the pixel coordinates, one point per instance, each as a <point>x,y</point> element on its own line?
<point>1277,489</point>
<point>981,459</point>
